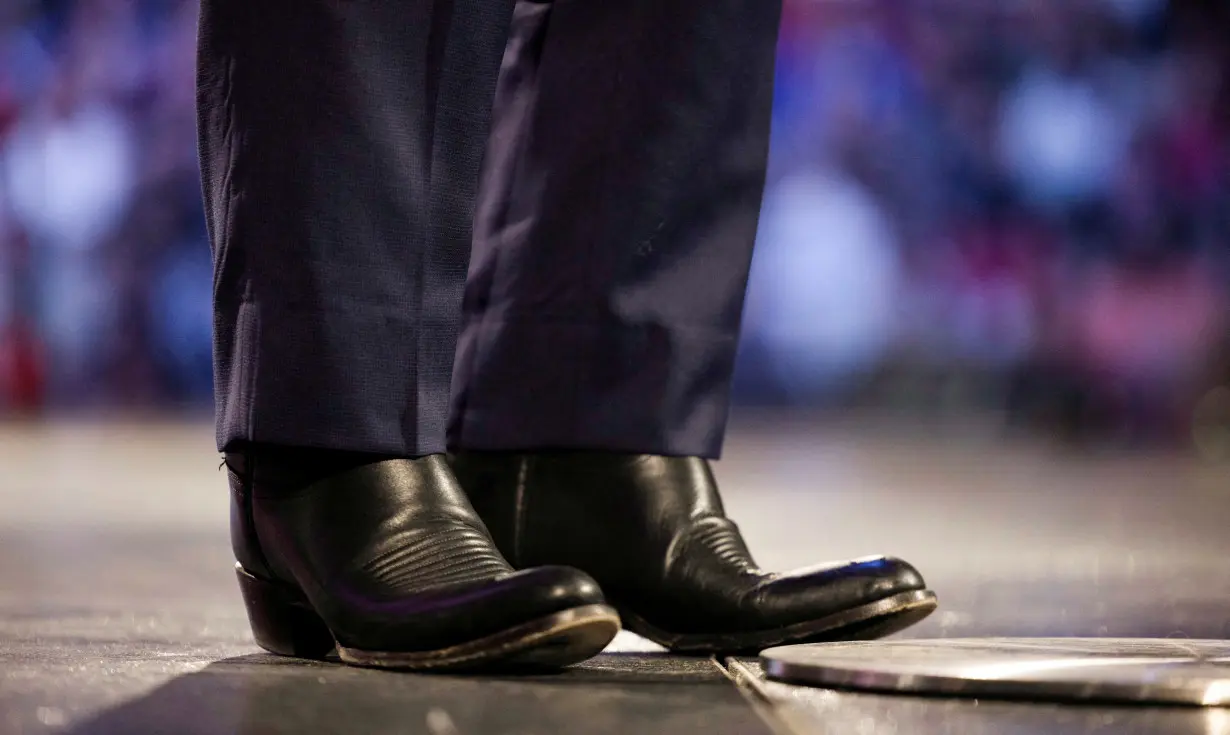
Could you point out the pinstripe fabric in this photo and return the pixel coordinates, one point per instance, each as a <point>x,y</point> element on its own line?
<point>616,219</point>
<point>342,146</point>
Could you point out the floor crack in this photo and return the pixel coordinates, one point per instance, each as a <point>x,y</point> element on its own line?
<point>751,686</point>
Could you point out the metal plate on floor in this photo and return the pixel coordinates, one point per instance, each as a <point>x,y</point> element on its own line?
<point>1156,671</point>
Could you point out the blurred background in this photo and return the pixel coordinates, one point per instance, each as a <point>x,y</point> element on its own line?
<point>988,324</point>
<point>1016,210</point>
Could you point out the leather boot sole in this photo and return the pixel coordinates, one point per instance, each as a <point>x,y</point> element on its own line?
<point>866,622</point>
<point>284,623</point>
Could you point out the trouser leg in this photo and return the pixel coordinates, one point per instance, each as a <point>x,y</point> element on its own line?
<point>617,212</point>
<point>340,146</point>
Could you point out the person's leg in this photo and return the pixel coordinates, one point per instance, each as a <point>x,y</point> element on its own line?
<point>617,215</point>
<point>619,205</point>
<point>340,150</point>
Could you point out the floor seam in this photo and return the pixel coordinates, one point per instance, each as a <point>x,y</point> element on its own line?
<point>752,690</point>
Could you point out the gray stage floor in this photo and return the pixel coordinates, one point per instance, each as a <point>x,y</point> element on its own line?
<point>118,612</point>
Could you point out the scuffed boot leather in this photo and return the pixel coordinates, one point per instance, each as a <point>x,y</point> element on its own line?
<point>389,564</point>
<point>652,531</point>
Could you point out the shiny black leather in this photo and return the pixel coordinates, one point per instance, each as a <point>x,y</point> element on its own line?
<point>652,531</point>
<point>392,557</point>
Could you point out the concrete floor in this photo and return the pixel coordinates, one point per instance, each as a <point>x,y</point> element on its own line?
<point>118,612</point>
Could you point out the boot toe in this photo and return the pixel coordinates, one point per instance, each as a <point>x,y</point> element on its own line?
<point>815,592</point>
<point>551,589</point>
<point>457,615</point>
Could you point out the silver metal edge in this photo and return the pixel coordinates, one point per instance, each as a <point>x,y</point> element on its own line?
<point>930,684</point>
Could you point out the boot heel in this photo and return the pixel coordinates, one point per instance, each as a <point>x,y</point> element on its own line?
<point>280,623</point>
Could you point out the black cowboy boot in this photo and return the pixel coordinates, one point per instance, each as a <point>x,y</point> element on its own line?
<point>652,532</point>
<point>388,563</point>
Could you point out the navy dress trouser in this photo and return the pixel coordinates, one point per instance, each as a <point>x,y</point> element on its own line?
<point>481,224</point>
